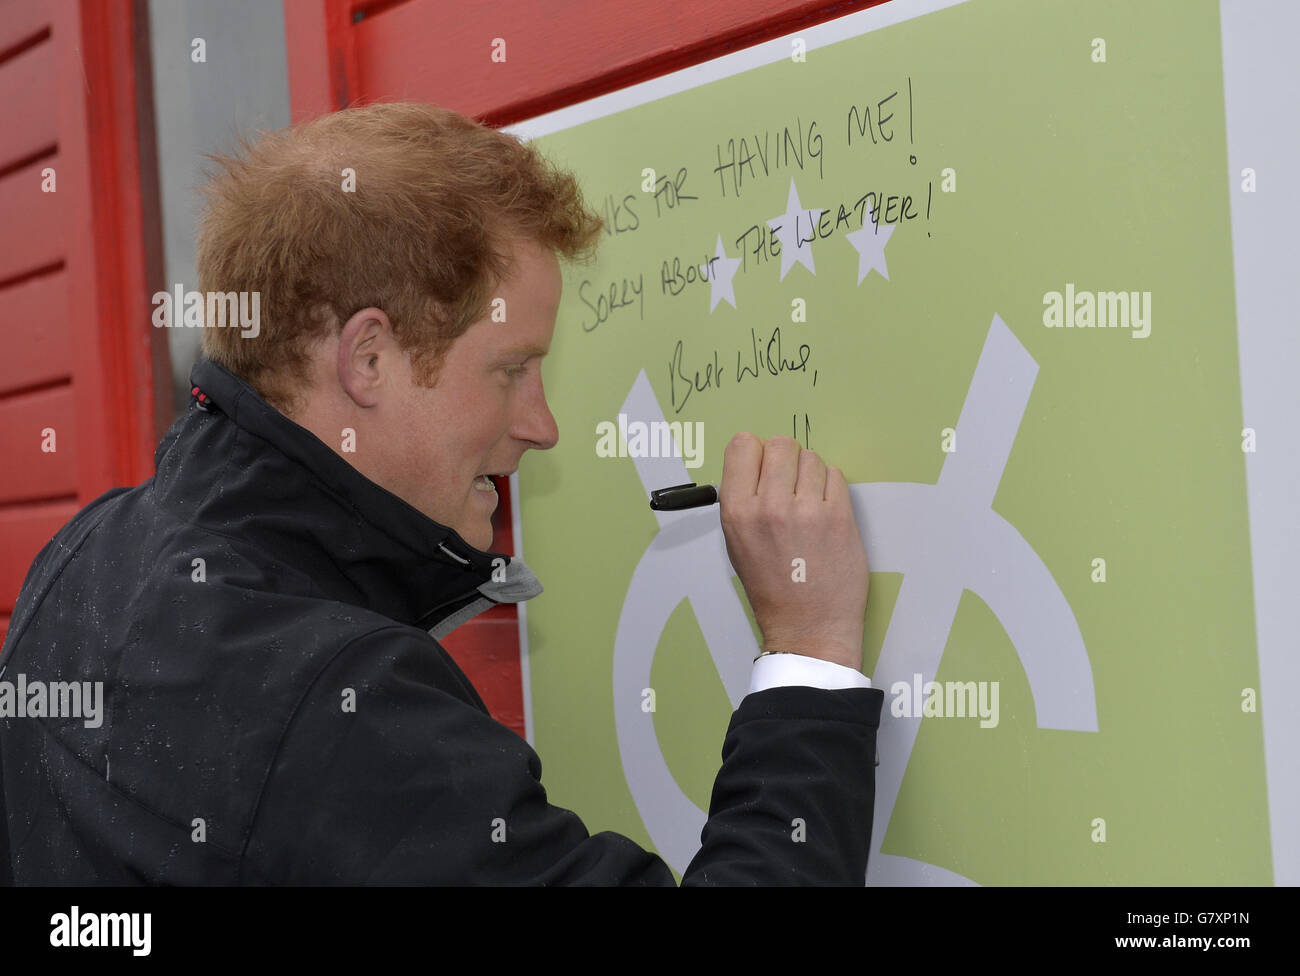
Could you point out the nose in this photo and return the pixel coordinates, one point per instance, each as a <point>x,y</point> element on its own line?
<point>535,422</point>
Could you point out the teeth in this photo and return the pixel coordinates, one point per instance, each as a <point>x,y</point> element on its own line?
<point>484,483</point>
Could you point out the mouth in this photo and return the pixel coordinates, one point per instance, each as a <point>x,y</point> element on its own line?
<point>483,482</point>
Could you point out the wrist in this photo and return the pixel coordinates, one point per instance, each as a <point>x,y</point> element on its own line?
<point>841,648</point>
<point>845,658</point>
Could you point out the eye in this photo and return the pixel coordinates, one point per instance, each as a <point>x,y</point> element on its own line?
<point>517,369</point>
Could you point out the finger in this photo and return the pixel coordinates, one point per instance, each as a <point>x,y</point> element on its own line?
<point>741,463</point>
<point>839,496</point>
<point>837,487</point>
<point>780,471</point>
<point>812,476</point>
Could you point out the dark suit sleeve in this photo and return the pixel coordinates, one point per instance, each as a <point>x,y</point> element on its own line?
<point>793,801</point>
<point>415,783</point>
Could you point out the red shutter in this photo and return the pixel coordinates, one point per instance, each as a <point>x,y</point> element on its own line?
<point>81,358</point>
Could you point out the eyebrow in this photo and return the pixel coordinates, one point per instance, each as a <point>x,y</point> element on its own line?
<point>513,352</point>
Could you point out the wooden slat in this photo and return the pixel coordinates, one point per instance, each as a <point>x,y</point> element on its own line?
<point>34,222</point>
<point>28,472</point>
<point>35,332</point>
<point>23,533</point>
<point>115,349</point>
<point>21,20</point>
<point>556,53</point>
<point>27,92</point>
<point>319,53</point>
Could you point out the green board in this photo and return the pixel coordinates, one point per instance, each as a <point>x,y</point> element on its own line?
<point>1051,486</point>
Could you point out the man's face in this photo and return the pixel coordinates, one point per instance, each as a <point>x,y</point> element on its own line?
<point>487,408</point>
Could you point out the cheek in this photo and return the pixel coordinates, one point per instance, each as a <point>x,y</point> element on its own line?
<point>430,433</point>
<point>456,444</point>
<point>490,426</point>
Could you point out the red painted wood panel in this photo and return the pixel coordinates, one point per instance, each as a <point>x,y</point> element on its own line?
<point>29,114</point>
<point>556,54</point>
<point>29,472</point>
<point>29,105</point>
<point>20,21</point>
<point>80,354</point>
<point>321,42</point>
<point>35,227</point>
<point>35,331</point>
<point>118,356</point>
<point>308,59</point>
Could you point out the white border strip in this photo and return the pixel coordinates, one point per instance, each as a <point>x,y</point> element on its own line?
<point>1261,89</point>
<point>525,673</point>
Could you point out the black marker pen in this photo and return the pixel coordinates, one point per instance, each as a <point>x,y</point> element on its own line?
<point>683,496</point>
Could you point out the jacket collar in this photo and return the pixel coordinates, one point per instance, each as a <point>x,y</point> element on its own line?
<point>295,494</point>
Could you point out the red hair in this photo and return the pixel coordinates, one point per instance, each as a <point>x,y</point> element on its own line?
<point>425,235</point>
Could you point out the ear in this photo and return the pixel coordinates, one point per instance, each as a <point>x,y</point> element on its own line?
<point>368,355</point>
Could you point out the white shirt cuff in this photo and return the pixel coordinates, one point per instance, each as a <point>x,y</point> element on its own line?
<point>780,670</point>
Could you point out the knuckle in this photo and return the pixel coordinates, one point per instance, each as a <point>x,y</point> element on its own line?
<point>781,444</point>
<point>774,511</point>
<point>736,513</point>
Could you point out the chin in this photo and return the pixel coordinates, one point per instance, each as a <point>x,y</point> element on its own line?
<point>480,538</point>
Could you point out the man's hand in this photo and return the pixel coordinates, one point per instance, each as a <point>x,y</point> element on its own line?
<point>781,504</point>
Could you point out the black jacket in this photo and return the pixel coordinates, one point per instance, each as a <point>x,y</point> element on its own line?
<point>227,753</point>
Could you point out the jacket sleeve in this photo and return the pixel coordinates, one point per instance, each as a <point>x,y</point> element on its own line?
<point>392,772</point>
<point>793,801</point>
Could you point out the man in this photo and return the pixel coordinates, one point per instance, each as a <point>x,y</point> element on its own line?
<point>264,612</point>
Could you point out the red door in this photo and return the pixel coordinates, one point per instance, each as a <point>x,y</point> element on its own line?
<point>83,375</point>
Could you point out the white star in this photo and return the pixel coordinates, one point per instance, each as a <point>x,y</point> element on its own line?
<point>870,243</point>
<point>786,229</point>
<point>721,284</point>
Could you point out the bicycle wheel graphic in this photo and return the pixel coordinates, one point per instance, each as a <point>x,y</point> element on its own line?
<point>944,538</point>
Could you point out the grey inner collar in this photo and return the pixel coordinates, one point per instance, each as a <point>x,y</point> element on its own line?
<point>520,584</point>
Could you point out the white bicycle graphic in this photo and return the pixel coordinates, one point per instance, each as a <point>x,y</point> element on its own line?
<point>944,538</point>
